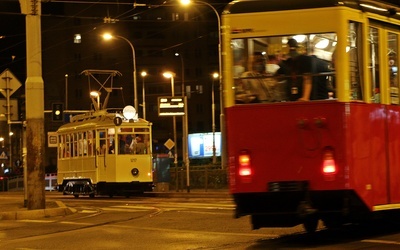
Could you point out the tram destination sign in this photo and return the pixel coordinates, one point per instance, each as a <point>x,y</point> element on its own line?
<point>171,106</point>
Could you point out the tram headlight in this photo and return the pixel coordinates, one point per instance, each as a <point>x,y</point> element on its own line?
<point>135,171</point>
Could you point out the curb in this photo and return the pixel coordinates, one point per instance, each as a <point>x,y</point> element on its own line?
<point>61,210</point>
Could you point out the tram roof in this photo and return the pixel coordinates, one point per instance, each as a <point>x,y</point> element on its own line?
<point>249,6</point>
<point>97,119</point>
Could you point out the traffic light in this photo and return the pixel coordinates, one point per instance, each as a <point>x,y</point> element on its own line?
<point>57,113</point>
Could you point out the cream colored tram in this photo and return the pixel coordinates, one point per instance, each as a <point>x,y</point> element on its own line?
<point>101,153</point>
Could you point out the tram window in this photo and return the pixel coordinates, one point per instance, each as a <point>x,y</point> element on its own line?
<point>103,142</point>
<point>123,130</point>
<point>374,63</point>
<point>265,69</point>
<point>393,68</point>
<point>80,144</point>
<point>75,145</point>
<point>353,48</point>
<point>111,143</point>
<point>90,143</point>
<point>68,146</point>
<point>61,146</point>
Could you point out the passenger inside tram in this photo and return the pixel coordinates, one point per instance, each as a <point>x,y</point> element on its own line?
<point>283,69</point>
<point>302,83</point>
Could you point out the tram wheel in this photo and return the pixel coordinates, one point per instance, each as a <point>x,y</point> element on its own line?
<point>76,195</point>
<point>91,195</point>
<point>310,224</point>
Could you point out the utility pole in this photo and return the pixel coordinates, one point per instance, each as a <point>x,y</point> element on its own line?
<point>34,92</point>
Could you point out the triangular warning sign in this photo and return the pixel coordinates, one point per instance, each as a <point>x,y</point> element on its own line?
<point>3,155</point>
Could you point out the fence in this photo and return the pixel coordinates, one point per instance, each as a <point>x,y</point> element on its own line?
<point>16,183</point>
<point>207,177</point>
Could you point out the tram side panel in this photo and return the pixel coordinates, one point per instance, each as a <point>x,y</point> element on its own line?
<point>367,147</point>
<point>393,145</point>
<point>286,143</point>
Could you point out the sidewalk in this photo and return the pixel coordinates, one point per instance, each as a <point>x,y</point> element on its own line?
<point>12,203</point>
<point>12,208</point>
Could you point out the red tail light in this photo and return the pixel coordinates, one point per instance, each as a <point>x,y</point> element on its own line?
<point>245,169</point>
<point>328,163</point>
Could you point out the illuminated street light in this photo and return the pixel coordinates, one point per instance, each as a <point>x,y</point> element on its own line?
<point>143,74</point>
<point>108,36</point>
<point>222,123</point>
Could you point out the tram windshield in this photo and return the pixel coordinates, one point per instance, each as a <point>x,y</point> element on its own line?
<point>272,69</point>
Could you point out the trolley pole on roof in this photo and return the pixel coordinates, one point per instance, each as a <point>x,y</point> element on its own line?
<point>34,91</point>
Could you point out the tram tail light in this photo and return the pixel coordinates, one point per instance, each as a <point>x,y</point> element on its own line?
<point>245,170</point>
<point>329,168</point>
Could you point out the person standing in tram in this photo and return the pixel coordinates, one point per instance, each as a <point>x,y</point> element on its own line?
<point>257,84</point>
<point>301,82</point>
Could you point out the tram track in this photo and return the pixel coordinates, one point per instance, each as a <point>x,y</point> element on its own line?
<point>78,221</point>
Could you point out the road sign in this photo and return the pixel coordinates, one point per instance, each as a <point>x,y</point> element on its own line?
<point>171,106</point>
<point>3,156</point>
<point>169,144</point>
<point>13,83</point>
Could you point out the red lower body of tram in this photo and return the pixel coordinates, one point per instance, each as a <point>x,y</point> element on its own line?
<point>295,163</point>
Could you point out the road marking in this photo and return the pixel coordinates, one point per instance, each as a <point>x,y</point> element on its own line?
<point>38,221</point>
<point>76,223</point>
<point>387,242</point>
<point>88,211</point>
<point>130,209</point>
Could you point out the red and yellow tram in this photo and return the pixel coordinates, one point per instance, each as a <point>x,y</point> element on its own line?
<point>298,161</point>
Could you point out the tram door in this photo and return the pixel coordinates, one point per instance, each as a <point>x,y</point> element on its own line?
<point>101,153</point>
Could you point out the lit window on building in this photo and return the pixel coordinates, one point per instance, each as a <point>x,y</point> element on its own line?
<point>77,38</point>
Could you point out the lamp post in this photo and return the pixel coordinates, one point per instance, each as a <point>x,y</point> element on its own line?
<point>143,74</point>
<point>66,91</point>
<point>185,128</point>
<point>108,36</point>
<point>171,76</point>
<point>222,123</point>
<point>214,158</point>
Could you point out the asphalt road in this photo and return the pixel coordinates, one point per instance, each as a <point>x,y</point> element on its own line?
<point>175,223</point>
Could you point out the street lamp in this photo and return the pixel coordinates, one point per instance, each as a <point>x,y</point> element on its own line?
<point>66,91</point>
<point>143,74</point>
<point>171,76</point>
<point>185,128</point>
<point>222,123</point>
<point>108,36</point>
<point>215,76</point>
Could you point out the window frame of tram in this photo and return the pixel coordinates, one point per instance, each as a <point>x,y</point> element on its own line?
<point>373,46</point>
<point>274,50</point>
<point>393,44</point>
<point>374,31</point>
<point>133,141</point>
<point>355,60</point>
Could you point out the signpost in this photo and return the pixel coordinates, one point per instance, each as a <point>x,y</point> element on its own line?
<point>171,106</point>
